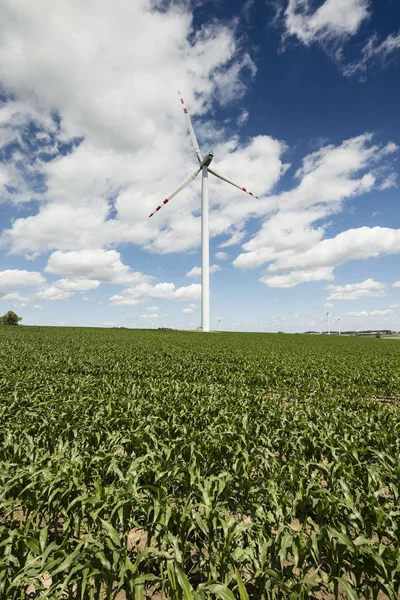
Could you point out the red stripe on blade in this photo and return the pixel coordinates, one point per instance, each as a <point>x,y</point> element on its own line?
<point>182,101</point>
<point>158,208</point>
<point>185,111</point>
<point>165,201</point>
<point>244,189</point>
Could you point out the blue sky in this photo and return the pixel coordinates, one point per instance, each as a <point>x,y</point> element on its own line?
<point>298,99</point>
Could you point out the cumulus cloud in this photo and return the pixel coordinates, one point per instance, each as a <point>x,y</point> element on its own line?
<point>76,285</point>
<point>189,309</point>
<point>93,265</point>
<point>292,237</point>
<point>53,293</point>
<point>334,20</point>
<point>295,277</point>
<point>103,50</point>
<point>63,289</point>
<point>396,284</point>
<point>162,291</point>
<point>14,279</point>
<point>221,255</point>
<point>100,192</point>
<point>16,297</point>
<point>153,317</point>
<point>354,291</point>
<point>196,271</point>
<point>372,313</point>
<point>360,243</point>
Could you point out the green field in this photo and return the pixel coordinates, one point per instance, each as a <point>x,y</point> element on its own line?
<point>187,465</point>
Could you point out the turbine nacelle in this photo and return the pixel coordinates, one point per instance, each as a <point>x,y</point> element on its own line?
<point>207,159</point>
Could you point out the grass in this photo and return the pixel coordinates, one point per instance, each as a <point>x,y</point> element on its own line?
<point>198,466</point>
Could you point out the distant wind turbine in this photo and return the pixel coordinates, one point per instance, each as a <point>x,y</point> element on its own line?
<point>329,323</point>
<point>338,320</point>
<point>204,167</point>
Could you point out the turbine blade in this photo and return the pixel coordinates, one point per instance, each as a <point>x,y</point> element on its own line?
<point>191,131</point>
<point>176,191</point>
<point>225,178</point>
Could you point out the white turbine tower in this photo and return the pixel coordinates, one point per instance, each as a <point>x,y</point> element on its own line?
<point>204,167</point>
<point>329,323</point>
<point>338,320</point>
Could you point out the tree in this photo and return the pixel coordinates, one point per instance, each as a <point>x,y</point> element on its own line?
<point>10,318</point>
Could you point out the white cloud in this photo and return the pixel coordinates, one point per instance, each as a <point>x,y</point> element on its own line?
<point>37,306</point>
<point>94,265</point>
<point>190,292</point>
<point>153,318</point>
<point>76,285</point>
<point>372,313</point>
<point>389,182</point>
<point>354,291</point>
<point>109,323</point>
<point>152,308</point>
<point>162,291</point>
<point>372,51</point>
<point>334,20</point>
<point>221,256</point>
<point>189,309</point>
<point>291,238</point>
<point>396,284</point>
<point>53,293</point>
<point>102,50</point>
<point>331,25</point>
<point>63,289</point>
<point>14,279</point>
<point>196,271</point>
<point>102,192</point>
<point>295,277</point>
<point>361,243</point>
<point>15,297</point>
<point>242,118</point>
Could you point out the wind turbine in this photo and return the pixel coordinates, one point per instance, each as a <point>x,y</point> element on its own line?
<point>329,323</point>
<point>338,320</point>
<point>204,167</point>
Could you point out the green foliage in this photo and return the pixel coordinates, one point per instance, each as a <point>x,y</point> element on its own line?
<point>10,318</point>
<point>243,466</point>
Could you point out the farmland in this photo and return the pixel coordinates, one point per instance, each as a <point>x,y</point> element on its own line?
<point>183,465</point>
